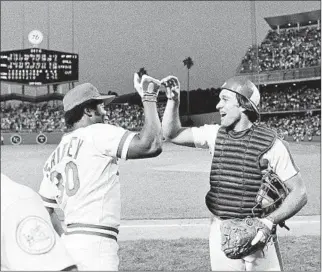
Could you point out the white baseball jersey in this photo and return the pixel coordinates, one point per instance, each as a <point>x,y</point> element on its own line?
<point>278,156</point>
<point>28,239</point>
<point>81,177</point>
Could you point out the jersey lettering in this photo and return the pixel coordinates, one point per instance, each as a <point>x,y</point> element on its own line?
<point>70,149</point>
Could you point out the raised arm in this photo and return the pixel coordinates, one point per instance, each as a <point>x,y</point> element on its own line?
<point>171,125</point>
<point>147,143</point>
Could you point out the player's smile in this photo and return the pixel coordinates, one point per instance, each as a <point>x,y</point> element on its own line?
<point>222,115</point>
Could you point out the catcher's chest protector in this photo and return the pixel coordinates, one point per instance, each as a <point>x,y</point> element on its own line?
<point>235,176</point>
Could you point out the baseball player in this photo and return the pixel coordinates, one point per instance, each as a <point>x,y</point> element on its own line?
<point>28,239</point>
<point>81,175</point>
<point>236,146</point>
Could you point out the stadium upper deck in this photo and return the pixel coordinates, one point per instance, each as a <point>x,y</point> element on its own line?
<point>290,52</point>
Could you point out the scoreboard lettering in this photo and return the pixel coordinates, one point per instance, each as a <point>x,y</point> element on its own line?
<point>35,66</point>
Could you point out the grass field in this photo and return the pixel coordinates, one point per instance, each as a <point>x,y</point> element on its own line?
<point>299,254</point>
<point>173,185</point>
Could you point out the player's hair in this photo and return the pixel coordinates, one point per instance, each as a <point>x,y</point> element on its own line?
<point>249,110</point>
<point>75,114</point>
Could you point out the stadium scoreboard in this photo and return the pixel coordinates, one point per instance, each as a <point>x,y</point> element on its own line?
<point>35,66</point>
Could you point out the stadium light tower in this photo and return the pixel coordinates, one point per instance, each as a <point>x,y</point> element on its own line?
<point>23,41</point>
<point>73,34</point>
<point>48,34</point>
<point>255,44</point>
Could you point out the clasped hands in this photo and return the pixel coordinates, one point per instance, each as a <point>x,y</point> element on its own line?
<point>148,87</point>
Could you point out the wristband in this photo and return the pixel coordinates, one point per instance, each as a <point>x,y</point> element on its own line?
<point>149,98</point>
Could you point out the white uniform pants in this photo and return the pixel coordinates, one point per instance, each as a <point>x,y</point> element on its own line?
<point>92,252</point>
<point>262,260</point>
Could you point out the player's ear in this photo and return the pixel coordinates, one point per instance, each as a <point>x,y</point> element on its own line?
<point>88,112</point>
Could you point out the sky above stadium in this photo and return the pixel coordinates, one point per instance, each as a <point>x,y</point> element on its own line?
<point>115,39</point>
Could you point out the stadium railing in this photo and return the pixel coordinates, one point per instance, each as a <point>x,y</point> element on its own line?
<point>288,75</point>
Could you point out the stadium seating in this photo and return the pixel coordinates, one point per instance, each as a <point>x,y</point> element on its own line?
<point>290,98</point>
<point>28,117</point>
<point>295,126</point>
<point>48,117</point>
<point>290,49</point>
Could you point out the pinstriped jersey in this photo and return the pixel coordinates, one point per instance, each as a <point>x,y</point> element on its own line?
<point>81,175</point>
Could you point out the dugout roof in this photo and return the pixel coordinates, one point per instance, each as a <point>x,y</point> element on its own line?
<point>291,20</point>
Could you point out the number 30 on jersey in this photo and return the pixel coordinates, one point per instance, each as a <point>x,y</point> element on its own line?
<point>67,182</point>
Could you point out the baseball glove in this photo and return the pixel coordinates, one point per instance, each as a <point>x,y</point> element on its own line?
<point>238,234</point>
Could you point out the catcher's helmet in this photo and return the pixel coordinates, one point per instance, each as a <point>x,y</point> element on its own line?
<point>244,87</point>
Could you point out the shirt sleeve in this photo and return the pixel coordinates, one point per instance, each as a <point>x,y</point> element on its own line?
<point>112,140</point>
<point>29,241</point>
<point>281,160</point>
<point>48,192</point>
<point>205,136</point>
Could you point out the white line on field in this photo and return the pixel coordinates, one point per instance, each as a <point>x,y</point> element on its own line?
<point>204,224</point>
<point>165,225</point>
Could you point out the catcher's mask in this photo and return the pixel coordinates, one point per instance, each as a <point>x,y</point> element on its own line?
<point>272,191</point>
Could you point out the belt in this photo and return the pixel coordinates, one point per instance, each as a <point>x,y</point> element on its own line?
<point>90,229</point>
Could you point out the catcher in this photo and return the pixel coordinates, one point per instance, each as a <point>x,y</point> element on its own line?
<point>255,184</point>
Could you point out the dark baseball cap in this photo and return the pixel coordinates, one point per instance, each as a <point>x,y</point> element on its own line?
<point>82,93</point>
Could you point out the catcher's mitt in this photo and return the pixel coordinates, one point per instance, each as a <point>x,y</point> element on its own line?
<point>237,235</point>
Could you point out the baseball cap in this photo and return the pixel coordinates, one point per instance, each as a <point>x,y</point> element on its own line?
<point>244,87</point>
<point>82,93</point>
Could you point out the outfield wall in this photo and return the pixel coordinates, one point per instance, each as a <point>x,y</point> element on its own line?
<point>31,138</point>
<point>206,118</point>
<point>54,138</point>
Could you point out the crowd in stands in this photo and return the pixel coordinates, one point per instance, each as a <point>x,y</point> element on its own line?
<point>49,117</point>
<point>305,98</point>
<point>29,117</point>
<point>129,116</point>
<point>290,98</point>
<point>295,126</point>
<point>124,115</point>
<point>291,48</point>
